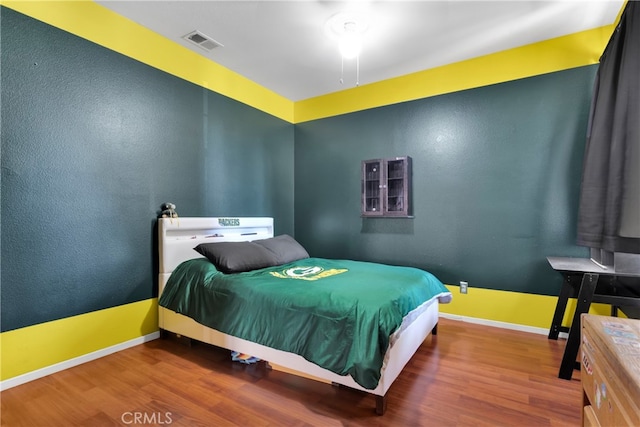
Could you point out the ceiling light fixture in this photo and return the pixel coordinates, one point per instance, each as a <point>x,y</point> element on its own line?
<point>350,43</point>
<point>347,28</point>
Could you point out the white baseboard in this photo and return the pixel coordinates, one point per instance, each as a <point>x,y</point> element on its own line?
<point>498,324</point>
<point>48,370</point>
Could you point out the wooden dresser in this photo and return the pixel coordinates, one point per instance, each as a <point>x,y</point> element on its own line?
<point>610,371</point>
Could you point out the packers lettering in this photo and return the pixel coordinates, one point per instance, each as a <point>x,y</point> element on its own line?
<point>229,222</point>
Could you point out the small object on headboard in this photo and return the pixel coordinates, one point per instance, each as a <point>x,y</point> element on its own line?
<point>168,210</point>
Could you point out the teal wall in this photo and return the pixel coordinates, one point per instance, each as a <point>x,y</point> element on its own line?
<point>93,143</point>
<point>496,175</point>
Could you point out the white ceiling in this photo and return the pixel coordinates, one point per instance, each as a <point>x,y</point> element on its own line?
<point>282,45</point>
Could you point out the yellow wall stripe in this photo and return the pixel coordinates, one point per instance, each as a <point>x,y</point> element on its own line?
<point>34,347</point>
<point>575,50</point>
<point>100,25</point>
<point>512,307</point>
<point>39,346</point>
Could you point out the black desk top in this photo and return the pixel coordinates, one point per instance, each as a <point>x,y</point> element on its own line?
<point>585,265</point>
<point>579,265</point>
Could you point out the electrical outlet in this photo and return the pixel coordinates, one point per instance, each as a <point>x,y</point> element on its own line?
<point>464,287</point>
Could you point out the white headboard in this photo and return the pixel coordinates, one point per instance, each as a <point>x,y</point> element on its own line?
<point>178,236</point>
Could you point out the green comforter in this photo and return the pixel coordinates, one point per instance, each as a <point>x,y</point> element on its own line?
<point>337,314</point>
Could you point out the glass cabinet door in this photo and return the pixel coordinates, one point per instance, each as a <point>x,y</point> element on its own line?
<point>372,172</point>
<point>386,187</point>
<point>396,202</point>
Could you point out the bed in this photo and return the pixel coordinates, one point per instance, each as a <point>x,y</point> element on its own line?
<point>186,291</point>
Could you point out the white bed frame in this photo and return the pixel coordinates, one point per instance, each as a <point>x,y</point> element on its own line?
<point>178,237</point>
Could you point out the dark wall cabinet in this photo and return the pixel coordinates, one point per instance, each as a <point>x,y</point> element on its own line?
<point>386,187</point>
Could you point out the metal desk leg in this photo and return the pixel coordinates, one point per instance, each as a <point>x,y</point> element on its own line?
<point>585,296</point>
<point>561,306</point>
<point>614,311</point>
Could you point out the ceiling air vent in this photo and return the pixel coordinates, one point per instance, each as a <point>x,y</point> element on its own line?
<point>205,42</point>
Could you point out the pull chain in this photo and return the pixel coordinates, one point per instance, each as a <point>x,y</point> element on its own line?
<point>357,70</point>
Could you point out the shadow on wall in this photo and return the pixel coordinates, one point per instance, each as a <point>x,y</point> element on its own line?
<point>387,226</point>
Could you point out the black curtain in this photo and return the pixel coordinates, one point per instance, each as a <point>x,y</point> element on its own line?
<point>609,211</point>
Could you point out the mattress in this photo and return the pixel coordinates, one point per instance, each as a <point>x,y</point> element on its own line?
<point>339,314</point>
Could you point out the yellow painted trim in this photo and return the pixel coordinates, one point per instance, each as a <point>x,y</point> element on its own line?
<point>34,347</point>
<point>512,307</point>
<point>575,50</point>
<point>100,25</point>
<point>39,346</point>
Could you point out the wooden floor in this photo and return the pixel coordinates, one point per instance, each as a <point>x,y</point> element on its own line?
<point>469,375</point>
